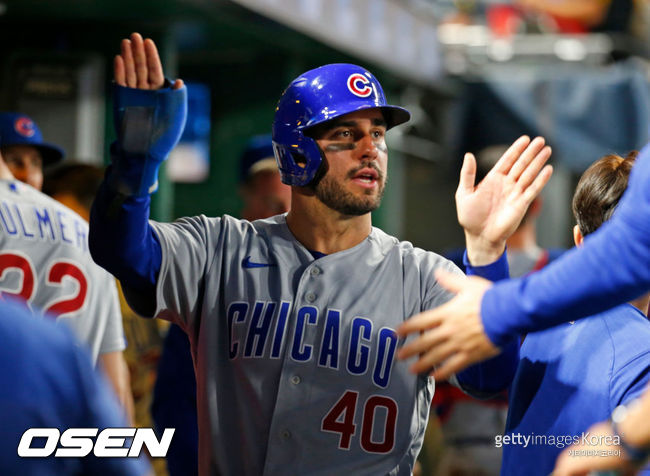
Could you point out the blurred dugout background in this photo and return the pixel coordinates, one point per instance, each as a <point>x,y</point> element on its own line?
<point>471,79</point>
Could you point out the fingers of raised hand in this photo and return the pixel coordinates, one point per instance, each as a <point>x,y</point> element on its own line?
<point>526,158</point>
<point>139,61</point>
<point>138,64</point>
<point>119,72</point>
<point>533,168</point>
<point>130,78</point>
<point>156,77</point>
<point>510,156</point>
<point>467,175</point>
<point>538,184</point>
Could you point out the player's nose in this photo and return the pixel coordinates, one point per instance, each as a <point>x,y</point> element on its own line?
<point>368,147</point>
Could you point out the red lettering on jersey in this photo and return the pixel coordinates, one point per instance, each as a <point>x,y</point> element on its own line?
<point>13,261</point>
<point>58,271</point>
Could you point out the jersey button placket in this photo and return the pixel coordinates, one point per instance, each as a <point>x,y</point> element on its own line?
<point>310,297</point>
<point>296,379</point>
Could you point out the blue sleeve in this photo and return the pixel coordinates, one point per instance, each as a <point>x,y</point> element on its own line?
<point>494,375</point>
<point>122,241</point>
<point>612,267</point>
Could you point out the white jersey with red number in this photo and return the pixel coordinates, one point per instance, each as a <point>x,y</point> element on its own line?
<point>44,260</point>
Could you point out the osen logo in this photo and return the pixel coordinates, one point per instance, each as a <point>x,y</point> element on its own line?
<point>79,442</point>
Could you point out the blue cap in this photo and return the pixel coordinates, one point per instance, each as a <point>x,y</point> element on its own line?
<point>257,156</point>
<point>19,129</point>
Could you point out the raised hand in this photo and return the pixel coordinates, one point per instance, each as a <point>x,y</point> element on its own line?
<point>138,65</point>
<point>492,210</point>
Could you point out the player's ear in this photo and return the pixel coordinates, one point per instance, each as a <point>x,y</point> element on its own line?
<point>577,236</point>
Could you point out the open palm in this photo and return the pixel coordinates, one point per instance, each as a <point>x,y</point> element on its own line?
<point>492,210</point>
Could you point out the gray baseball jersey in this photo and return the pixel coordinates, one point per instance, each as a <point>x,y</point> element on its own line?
<point>44,260</point>
<point>295,356</point>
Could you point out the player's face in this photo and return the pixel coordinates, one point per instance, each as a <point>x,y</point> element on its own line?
<point>25,163</point>
<point>355,149</point>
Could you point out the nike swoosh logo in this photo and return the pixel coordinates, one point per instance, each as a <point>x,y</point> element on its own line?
<point>247,263</point>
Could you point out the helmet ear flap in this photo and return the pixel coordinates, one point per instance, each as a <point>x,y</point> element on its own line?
<point>299,162</point>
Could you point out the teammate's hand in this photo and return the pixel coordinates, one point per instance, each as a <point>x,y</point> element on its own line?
<point>491,211</point>
<point>584,459</point>
<point>452,335</point>
<point>138,65</point>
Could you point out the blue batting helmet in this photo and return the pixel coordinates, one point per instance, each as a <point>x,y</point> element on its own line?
<point>315,97</point>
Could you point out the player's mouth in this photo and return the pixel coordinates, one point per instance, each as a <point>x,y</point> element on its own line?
<point>367,177</point>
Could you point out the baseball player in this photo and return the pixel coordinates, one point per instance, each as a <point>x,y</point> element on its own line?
<point>45,261</point>
<point>574,374</point>
<point>48,382</point>
<point>291,319</point>
<point>26,154</point>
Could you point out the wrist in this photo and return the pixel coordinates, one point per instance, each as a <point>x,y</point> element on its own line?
<point>482,252</point>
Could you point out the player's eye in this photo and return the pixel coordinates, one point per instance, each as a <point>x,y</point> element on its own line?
<point>343,134</point>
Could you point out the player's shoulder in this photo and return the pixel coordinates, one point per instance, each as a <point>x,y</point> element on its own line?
<point>409,253</point>
<point>226,222</point>
<point>17,191</point>
<point>628,330</point>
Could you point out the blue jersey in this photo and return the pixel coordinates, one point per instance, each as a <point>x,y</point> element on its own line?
<point>48,382</point>
<point>570,377</point>
<point>613,267</point>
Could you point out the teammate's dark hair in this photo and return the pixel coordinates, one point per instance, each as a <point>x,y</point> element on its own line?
<point>80,180</point>
<point>599,190</point>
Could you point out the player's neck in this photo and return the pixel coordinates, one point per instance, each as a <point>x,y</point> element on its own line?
<point>641,303</point>
<point>319,228</point>
<point>5,173</point>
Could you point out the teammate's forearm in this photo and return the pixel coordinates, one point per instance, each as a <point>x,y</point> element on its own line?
<point>610,269</point>
<point>122,241</point>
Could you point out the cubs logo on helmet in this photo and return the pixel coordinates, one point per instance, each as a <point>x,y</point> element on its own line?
<point>317,96</point>
<point>24,126</point>
<point>353,85</point>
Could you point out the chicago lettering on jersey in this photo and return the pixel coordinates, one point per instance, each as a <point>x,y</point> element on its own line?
<point>39,223</point>
<point>259,331</point>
